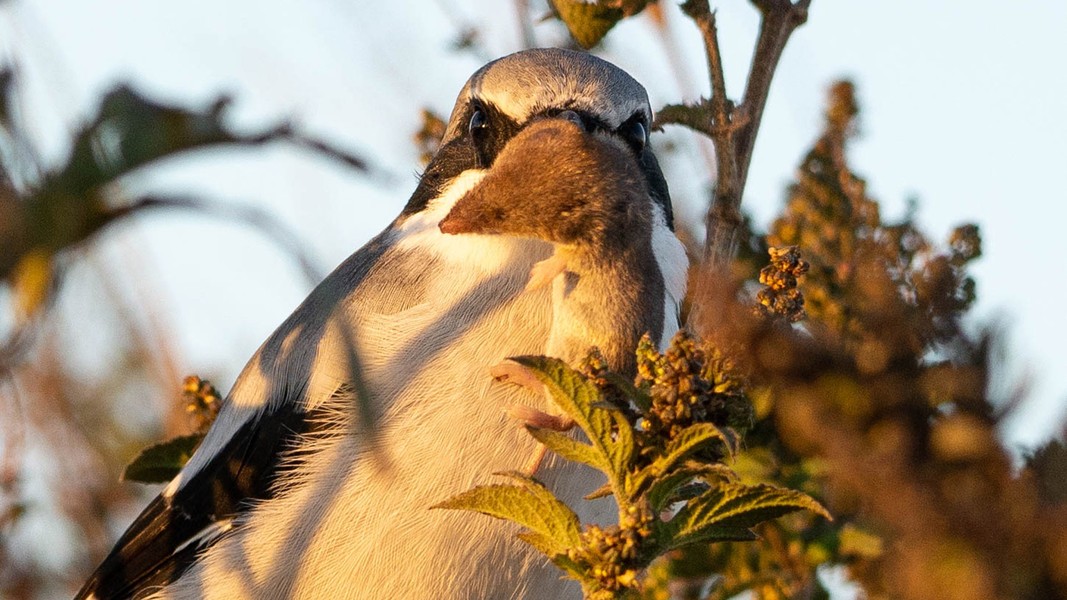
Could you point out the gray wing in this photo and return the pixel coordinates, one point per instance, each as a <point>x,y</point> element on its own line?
<point>241,467</point>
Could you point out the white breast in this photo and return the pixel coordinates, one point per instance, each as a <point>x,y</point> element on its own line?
<point>674,266</point>
<point>348,520</point>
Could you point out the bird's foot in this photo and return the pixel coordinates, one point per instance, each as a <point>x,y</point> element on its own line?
<point>532,417</point>
<point>527,415</point>
<point>513,372</point>
<point>545,271</point>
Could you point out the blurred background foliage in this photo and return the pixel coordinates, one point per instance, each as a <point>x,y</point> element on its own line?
<point>878,400</point>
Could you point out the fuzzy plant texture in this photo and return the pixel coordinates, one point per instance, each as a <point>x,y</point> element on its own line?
<point>663,441</point>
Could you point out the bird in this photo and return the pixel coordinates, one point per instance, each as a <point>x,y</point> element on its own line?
<point>582,192</point>
<point>290,496</point>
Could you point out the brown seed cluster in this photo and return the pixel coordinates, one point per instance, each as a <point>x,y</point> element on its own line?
<point>202,402</point>
<point>688,383</point>
<point>781,297</point>
<point>610,553</point>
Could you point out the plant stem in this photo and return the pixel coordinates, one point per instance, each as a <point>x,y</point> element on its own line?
<point>733,128</point>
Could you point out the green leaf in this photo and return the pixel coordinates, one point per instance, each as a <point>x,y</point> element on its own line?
<point>568,447</point>
<point>553,526</point>
<point>625,385</point>
<point>610,433</point>
<point>857,542</point>
<point>159,463</point>
<point>729,507</point>
<point>704,535</point>
<point>601,492</point>
<point>570,567</point>
<point>664,489</point>
<point>587,22</point>
<point>688,441</point>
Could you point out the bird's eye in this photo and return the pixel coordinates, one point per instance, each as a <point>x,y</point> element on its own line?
<point>479,120</point>
<point>636,133</point>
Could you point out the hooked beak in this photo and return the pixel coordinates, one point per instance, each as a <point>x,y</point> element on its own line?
<point>454,223</point>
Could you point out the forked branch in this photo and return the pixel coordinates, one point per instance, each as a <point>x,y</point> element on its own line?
<point>733,128</point>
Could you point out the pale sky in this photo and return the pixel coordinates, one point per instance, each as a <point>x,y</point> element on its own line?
<point>962,108</point>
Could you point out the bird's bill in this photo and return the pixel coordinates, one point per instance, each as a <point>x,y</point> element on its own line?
<point>455,223</point>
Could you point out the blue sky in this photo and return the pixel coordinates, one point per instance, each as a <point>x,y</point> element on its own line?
<point>963,110</point>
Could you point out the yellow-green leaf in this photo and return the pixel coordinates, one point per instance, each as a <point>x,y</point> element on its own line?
<point>159,463</point>
<point>587,22</point>
<point>727,507</point>
<point>568,447</point>
<point>688,441</point>
<point>611,435</point>
<point>553,525</point>
<point>664,488</point>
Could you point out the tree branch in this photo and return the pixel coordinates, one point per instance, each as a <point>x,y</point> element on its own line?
<point>733,129</point>
<point>249,215</point>
<point>779,19</point>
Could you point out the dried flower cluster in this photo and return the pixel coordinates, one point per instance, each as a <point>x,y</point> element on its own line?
<point>781,297</point>
<point>610,553</point>
<point>202,402</point>
<point>688,383</point>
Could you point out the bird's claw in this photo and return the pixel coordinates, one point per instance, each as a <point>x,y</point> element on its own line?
<point>536,418</point>
<point>513,372</point>
<point>528,415</point>
<point>545,271</point>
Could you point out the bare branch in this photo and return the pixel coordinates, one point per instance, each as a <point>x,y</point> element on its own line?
<point>256,218</point>
<point>779,19</point>
<point>701,13</point>
<point>733,129</point>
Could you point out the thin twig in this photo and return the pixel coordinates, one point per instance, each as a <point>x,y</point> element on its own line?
<point>779,19</point>
<point>256,218</point>
<point>526,31</point>
<point>733,128</point>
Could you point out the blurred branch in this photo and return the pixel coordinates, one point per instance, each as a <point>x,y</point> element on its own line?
<point>42,214</point>
<point>733,128</point>
<point>256,218</point>
<point>526,32</point>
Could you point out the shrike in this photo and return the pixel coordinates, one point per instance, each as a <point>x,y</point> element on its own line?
<point>283,498</point>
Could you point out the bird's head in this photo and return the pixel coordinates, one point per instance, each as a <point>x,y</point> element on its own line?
<point>557,182</point>
<point>519,91</point>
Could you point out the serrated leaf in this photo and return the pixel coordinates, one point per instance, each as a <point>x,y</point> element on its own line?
<point>625,385</point>
<point>159,463</point>
<point>668,489</point>
<point>601,492</point>
<point>731,506</point>
<point>570,567</point>
<point>587,22</point>
<point>568,447</point>
<point>705,535</point>
<point>544,544</point>
<point>686,442</point>
<point>610,433</point>
<point>661,494</point>
<point>553,526</point>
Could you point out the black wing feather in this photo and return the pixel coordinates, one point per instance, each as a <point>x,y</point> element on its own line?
<point>162,542</point>
<point>151,553</point>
